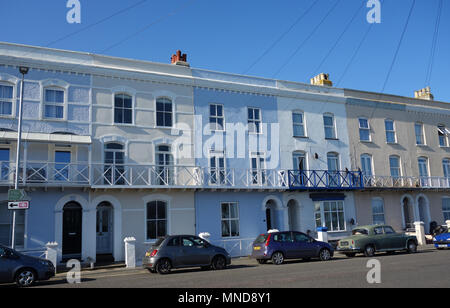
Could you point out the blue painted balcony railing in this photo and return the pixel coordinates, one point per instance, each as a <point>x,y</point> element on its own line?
<point>323,179</point>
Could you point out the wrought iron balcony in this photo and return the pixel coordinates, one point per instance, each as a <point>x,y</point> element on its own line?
<point>324,179</point>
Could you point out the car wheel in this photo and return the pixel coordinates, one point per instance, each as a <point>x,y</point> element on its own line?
<point>278,258</point>
<point>324,255</point>
<point>219,263</point>
<point>262,261</point>
<point>25,278</point>
<point>163,266</point>
<point>412,247</point>
<point>369,251</point>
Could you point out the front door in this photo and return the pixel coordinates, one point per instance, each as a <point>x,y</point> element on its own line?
<point>104,229</point>
<point>72,226</point>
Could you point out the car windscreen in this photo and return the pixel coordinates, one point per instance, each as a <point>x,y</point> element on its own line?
<point>360,232</point>
<point>261,239</point>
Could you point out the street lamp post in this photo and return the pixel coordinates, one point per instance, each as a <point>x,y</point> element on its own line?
<point>23,70</point>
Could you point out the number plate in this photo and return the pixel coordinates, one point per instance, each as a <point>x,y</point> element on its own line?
<point>257,248</point>
<point>344,244</point>
<point>147,254</point>
<point>443,246</point>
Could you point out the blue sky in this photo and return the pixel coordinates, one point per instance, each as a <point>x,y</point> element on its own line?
<point>230,35</point>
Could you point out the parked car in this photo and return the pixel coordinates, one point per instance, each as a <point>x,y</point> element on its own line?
<point>279,246</point>
<point>376,238</point>
<point>23,270</point>
<point>183,251</point>
<point>442,241</point>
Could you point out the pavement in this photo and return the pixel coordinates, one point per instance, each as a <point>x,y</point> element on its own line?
<point>427,268</point>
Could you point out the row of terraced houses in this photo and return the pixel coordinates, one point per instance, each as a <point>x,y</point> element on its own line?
<point>116,148</point>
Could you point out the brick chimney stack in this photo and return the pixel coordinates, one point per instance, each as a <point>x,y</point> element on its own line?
<point>424,94</point>
<point>179,59</point>
<point>322,80</point>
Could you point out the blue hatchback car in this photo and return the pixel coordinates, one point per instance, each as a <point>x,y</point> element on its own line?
<point>279,246</point>
<point>442,241</point>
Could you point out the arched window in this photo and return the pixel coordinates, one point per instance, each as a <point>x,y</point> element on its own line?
<point>164,112</point>
<point>156,219</point>
<point>123,109</point>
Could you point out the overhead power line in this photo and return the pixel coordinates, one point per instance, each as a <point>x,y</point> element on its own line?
<point>281,37</point>
<point>316,71</point>
<point>434,44</point>
<point>398,46</point>
<point>288,60</point>
<point>96,23</point>
<point>146,27</point>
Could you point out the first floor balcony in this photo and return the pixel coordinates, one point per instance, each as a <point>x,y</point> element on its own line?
<point>144,176</point>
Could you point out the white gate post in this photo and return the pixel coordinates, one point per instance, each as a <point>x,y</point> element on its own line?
<point>51,253</point>
<point>322,234</point>
<point>130,252</point>
<point>420,232</point>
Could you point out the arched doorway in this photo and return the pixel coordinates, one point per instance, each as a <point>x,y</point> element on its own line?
<point>105,232</point>
<point>72,230</point>
<point>294,215</point>
<point>271,215</point>
<point>424,212</point>
<point>408,213</point>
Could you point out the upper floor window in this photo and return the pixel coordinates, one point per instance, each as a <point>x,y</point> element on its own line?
<point>330,129</point>
<point>6,100</point>
<point>446,208</point>
<point>298,122</point>
<point>364,129</point>
<point>446,167</point>
<point>54,103</point>
<point>420,137</point>
<point>123,109</point>
<point>366,164</point>
<point>394,164</point>
<point>254,120</point>
<point>391,136</point>
<point>164,112</point>
<point>423,166</point>
<point>443,133</point>
<point>216,117</point>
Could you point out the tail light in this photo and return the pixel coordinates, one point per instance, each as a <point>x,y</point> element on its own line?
<point>268,240</point>
<point>154,252</point>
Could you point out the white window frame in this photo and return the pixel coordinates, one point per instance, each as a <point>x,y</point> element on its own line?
<point>63,104</point>
<point>219,171</point>
<point>124,93</point>
<point>216,117</point>
<point>422,134</point>
<point>260,176</point>
<point>230,219</point>
<point>156,219</point>
<point>320,215</point>
<point>370,157</point>
<point>364,129</point>
<point>172,112</point>
<point>302,124</point>
<point>332,127</point>
<point>11,100</point>
<point>445,213</point>
<point>18,223</point>
<point>399,166</point>
<point>443,132</point>
<point>254,124</point>
<point>393,131</point>
<point>374,221</point>
<point>446,167</point>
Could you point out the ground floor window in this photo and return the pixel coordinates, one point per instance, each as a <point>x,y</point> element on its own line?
<point>230,219</point>
<point>156,219</point>
<point>446,208</point>
<point>378,211</point>
<point>330,214</point>
<point>6,218</point>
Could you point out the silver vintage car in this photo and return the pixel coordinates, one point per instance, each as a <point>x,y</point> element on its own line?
<point>181,251</point>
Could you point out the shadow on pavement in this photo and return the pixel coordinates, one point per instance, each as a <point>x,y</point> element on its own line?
<point>47,283</point>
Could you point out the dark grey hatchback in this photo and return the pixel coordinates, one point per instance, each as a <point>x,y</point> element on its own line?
<point>23,270</point>
<point>181,251</point>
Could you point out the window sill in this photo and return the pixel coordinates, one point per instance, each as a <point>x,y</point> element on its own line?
<point>366,141</point>
<point>332,139</point>
<point>301,137</point>
<point>123,124</point>
<point>53,119</point>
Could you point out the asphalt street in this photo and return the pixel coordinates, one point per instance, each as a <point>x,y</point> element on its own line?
<point>427,268</point>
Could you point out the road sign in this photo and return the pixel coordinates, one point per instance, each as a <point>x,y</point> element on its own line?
<point>19,205</point>
<point>16,195</point>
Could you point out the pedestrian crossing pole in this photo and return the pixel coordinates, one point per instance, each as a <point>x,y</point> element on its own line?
<point>23,70</point>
